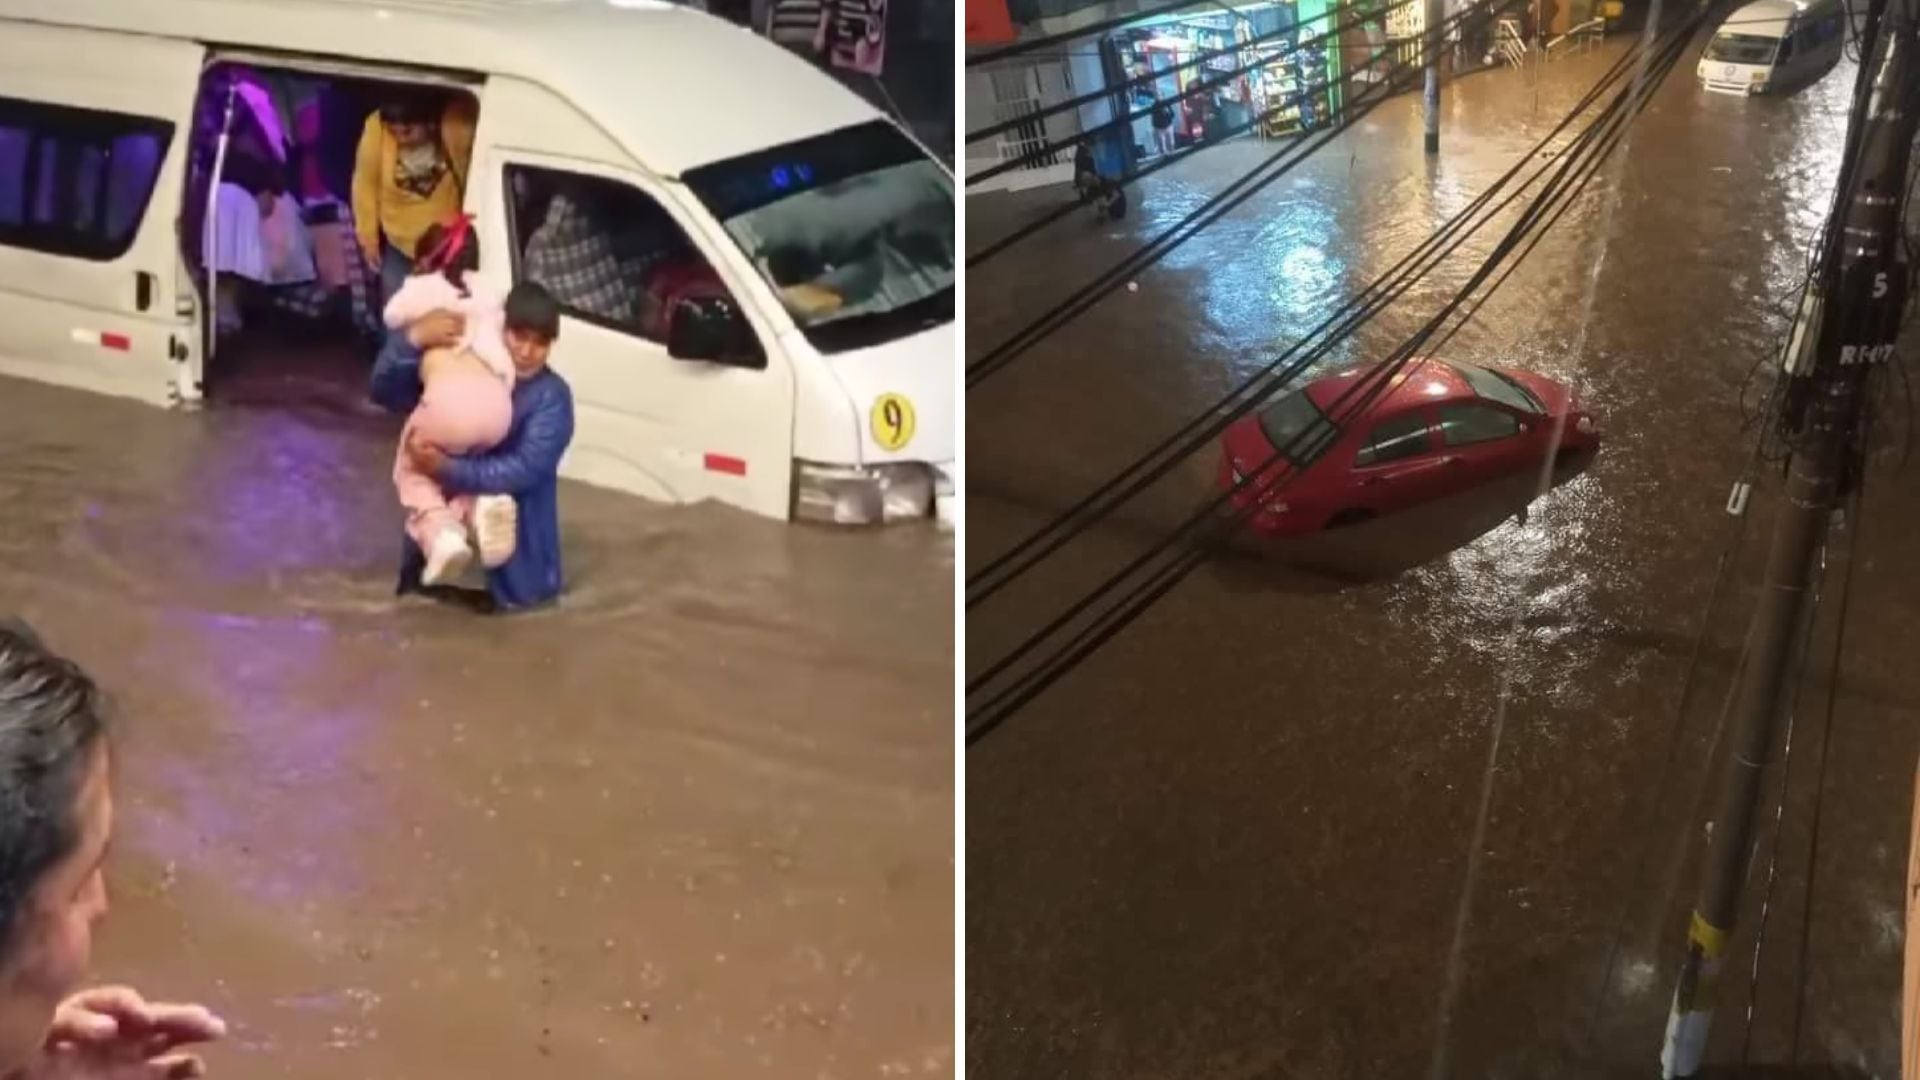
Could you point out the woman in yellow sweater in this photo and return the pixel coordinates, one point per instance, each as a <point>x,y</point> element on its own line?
<point>410,172</point>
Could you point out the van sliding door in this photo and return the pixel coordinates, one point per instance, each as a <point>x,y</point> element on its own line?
<point>94,130</point>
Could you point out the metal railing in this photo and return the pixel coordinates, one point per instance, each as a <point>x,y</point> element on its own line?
<point>1510,43</point>
<point>1582,38</point>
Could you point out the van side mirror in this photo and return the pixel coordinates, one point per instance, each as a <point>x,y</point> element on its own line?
<point>710,329</point>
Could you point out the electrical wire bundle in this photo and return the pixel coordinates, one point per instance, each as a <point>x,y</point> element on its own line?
<point>1157,570</point>
<point>1198,88</point>
<point>1282,369</point>
<point>1216,206</point>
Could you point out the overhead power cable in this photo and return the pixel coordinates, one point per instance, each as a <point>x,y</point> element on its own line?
<point>1212,82</point>
<point>1215,207</point>
<point>1168,160</point>
<point>992,712</point>
<point>1203,429</point>
<point>1021,48</point>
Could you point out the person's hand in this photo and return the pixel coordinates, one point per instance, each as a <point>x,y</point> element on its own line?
<point>427,459</point>
<point>437,330</point>
<point>112,1033</point>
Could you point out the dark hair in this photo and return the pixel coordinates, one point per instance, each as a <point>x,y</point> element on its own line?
<point>51,718</point>
<point>255,176</point>
<point>411,107</point>
<point>531,309</point>
<point>455,269</point>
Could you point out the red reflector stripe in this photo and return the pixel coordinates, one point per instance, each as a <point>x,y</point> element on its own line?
<point>116,341</point>
<point>732,466</point>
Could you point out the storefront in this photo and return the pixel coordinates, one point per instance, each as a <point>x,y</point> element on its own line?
<point>1266,72</point>
<point>1379,37</point>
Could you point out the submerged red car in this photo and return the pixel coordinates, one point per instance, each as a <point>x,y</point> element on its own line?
<point>1440,429</point>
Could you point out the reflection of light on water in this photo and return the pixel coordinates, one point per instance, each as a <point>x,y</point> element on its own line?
<point>1285,277</point>
<point>1538,571</point>
<point>280,799</point>
<point>1805,166</point>
<point>276,509</point>
<point>1636,976</point>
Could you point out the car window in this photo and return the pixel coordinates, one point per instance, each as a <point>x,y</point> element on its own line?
<point>607,252</point>
<point>1465,425</point>
<point>1494,386</point>
<point>75,181</point>
<point>1297,428</point>
<point>1396,439</point>
<point>1742,49</point>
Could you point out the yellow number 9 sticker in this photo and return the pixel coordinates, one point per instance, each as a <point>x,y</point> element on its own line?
<point>892,421</point>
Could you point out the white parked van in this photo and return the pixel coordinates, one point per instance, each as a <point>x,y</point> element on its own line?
<point>783,185</point>
<point>1772,45</point>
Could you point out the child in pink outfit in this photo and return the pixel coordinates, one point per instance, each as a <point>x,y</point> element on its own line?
<point>466,406</point>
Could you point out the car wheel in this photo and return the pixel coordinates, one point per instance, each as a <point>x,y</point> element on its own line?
<point>1347,518</point>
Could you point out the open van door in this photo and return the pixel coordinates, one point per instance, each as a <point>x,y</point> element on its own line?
<point>94,135</point>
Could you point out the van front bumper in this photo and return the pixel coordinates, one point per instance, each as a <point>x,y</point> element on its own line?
<point>872,494</point>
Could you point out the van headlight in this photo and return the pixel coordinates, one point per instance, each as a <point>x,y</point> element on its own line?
<point>862,494</point>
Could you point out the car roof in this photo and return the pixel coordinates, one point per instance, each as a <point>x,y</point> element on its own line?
<point>1421,382</point>
<point>1764,18</point>
<point>634,66</point>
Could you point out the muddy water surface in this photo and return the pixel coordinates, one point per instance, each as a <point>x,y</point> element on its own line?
<point>1234,842</point>
<point>695,822</point>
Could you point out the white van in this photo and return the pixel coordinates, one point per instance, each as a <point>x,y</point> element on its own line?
<point>1773,45</point>
<point>736,151</point>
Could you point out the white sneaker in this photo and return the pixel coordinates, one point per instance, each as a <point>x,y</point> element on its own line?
<point>496,526</point>
<point>447,559</point>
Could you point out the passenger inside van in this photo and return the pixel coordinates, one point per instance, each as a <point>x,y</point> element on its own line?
<point>317,314</point>
<point>607,253</point>
<point>261,245</point>
<point>410,173</point>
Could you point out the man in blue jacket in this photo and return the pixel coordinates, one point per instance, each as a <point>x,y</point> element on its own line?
<point>525,465</point>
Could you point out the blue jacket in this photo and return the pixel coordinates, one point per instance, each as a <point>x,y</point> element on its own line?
<point>525,465</point>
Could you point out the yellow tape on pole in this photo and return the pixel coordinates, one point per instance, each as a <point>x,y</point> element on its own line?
<point>1711,939</point>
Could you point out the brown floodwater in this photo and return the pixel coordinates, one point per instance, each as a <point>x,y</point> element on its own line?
<point>697,821</point>
<point>1234,842</point>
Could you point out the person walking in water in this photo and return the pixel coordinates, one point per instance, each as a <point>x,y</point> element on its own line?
<point>409,173</point>
<point>525,464</point>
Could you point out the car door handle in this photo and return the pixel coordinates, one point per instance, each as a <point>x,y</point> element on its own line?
<point>142,290</point>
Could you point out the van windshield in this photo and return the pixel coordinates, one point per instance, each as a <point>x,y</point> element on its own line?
<point>1742,49</point>
<point>853,229</point>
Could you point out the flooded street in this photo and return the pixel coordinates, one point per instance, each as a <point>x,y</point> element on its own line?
<point>695,822</point>
<point>1234,842</point>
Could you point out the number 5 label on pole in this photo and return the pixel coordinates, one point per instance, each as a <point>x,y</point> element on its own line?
<point>892,420</point>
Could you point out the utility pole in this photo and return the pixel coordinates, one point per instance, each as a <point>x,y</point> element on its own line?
<point>1436,15</point>
<point>1848,324</point>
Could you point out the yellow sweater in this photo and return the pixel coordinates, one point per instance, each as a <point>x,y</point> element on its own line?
<point>381,206</point>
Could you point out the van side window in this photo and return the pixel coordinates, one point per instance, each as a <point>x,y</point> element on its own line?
<point>76,181</point>
<point>607,252</point>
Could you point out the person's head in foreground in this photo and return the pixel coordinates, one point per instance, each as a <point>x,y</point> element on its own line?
<point>533,324</point>
<point>56,817</point>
